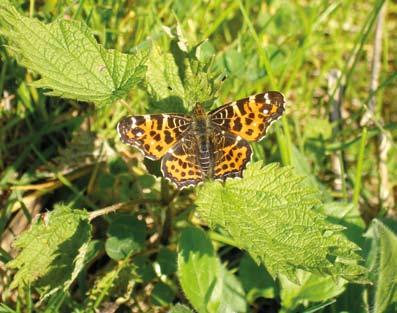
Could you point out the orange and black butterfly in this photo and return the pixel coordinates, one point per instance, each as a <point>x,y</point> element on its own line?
<point>203,145</point>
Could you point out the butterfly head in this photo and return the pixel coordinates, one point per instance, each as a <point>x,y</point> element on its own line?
<point>199,111</point>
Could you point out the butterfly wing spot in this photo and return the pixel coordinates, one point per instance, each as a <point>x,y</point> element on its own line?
<point>154,134</point>
<point>249,117</point>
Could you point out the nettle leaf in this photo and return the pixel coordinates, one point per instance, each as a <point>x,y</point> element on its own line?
<point>269,214</point>
<point>52,251</point>
<point>204,280</point>
<point>70,61</point>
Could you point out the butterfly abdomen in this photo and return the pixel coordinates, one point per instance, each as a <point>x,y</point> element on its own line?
<point>205,156</point>
<point>201,130</point>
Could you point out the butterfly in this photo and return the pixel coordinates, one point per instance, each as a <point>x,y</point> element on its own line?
<point>204,145</point>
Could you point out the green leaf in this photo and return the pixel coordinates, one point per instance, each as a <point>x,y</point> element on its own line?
<point>197,267</point>
<point>167,261</point>
<point>180,308</point>
<point>347,215</point>
<point>256,281</point>
<point>269,214</point>
<point>162,295</point>
<point>70,61</point>
<point>228,294</point>
<point>205,282</point>
<point>384,266</point>
<point>178,80</point>
<point>126,235</point>
<point>313,288</point>
<point>53,251</point>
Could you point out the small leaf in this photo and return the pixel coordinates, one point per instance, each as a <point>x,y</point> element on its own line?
<point>68,58</point>
<point>228,294</point>
<point>269,214</point>
<point>145,268</point>
<point>126,235</point>
<point>313,288</point>
<point>205,282</point>
<point>197,267</point>
<point>162,295</point>
<point>53,251</point>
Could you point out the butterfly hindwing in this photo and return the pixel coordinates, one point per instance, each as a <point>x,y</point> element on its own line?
<point>154,134</point>
<point>231,154</point>
<point>250,117</point>
<point>181,165</point>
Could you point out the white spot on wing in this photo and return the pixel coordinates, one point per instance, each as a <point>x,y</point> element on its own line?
<point>251,98</point>
<point>133,121</point>
<point>266,111</point>
<point>238,138</point>
<point>267,100</point>
<point>146,117</point>
<point>139,134</point>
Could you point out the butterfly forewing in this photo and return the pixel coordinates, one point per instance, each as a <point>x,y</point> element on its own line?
<point>155,134</point>
<point>231,154</point>
<point>250,117</point>
<point>181,165</point>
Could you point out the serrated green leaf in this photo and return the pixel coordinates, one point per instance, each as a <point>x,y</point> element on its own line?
<point>269,214</point>
<point>70,61</point>
<point>384,267</point>
<point>53,251</point>
<point>205,282</point>
<point>180,308</point>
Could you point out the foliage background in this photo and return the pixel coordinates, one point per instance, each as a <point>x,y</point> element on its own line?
<point>272,242</point>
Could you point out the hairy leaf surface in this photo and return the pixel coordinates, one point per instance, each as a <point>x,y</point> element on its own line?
<point>53,250</point>
<point>269,214</point>
<point>70,61</point>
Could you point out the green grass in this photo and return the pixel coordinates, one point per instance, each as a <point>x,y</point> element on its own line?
<point>112,232</point>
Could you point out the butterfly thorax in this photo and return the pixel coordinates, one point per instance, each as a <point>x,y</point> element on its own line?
<point>201,129</point>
